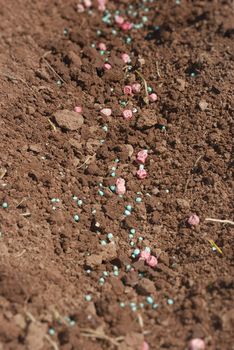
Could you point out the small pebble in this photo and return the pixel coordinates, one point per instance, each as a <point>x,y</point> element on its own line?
<point>101,193</point>
<point>138,199</point>
<point>4,205</point>
<point>133,231</point>
<point>170,301</point>
<point>129,207</point>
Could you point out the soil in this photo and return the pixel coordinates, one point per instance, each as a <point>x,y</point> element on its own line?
<point>51,262</point>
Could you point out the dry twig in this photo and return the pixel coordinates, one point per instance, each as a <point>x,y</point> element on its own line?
<point>50,67</point>
<point>146,99</point>
<point>221,221</point>
<point>52,124</point>
<point>3,172</point>
<point>215,246</point>
<point>46,336</point>
<point>86,161</point>
<point>90,333</point>
<point>157,68</point>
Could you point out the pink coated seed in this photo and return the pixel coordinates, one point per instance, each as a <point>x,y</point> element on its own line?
<point>126,26</point>
<point>142,156</point>
<point>193,220</point>
<point>128,90</point>
<point>144,255</point>
<point>145,346</point>
<point>107,66</point>
<point>141,174</point>
<point>102,46</point>
<point>196,344</point>
<point>126,58</point>
<point>106,111</point>
<point>102,5</point>
<point>80,8</point>
<point>120,186</point>
<point>119,20</point>
<point>127,114</point>
<point>153,97</point>
<point>152,261</point>
<point>136,88</point>
<point>87,3</point>
<point>78,109</point>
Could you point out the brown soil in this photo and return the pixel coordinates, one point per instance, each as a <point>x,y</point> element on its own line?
<point>48,64</point>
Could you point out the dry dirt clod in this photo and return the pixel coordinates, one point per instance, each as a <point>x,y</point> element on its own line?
<point>68,120</point>
<point>203,105</point>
